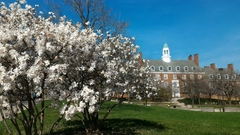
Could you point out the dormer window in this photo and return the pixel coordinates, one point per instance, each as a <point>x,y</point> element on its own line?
<point>218,76</point>
<point>226,76</point>
<point>169,68</point>
<point>193,68</point>
<point>152,68</point>
<point>185,68</point>
<point>210,76</point>
<point>233,76</point>
<point>160,68</point>
<point>177,68</point>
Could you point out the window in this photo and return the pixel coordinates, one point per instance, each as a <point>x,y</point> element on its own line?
<point>165,76</point>
<point>233,76</point>
<point>226,76</point>
<point>183,76</point>
<point>174,76</point>
<point>165,84</point>
<point>191,77</point>
<point>152,68</point>
<point>185,68</point>
<point>210,76</point>
<point>193,68</point>
<point>160,68</point>
<point>157,76</point>
<point>174,85</point>
<point>169,68</point>
<point>218,76</point>
<point>177,68</point>
<point>165,51</point>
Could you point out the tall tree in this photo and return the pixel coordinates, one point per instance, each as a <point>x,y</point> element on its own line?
<point>227,83</point>
<point>94,14</point>
<point>193,85</point>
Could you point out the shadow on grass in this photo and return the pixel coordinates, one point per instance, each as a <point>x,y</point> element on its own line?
<point>113,127</point>
<point>129,126</point>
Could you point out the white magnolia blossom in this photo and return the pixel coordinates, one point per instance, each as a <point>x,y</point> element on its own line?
<point>65,62</point>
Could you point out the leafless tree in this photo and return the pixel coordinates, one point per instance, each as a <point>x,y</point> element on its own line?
<point>193,85</point>
<point>228,83</point>
<point>93,14</point>
<point>211,88</point>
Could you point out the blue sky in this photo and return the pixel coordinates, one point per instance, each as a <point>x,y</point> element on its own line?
<point>210,28</point>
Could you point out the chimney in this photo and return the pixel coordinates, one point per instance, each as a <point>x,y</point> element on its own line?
<point>196,61</point>
<point>190,57</point>
<point>230,66</point>
<point>213,66</point>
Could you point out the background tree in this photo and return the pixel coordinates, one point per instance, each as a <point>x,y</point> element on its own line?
<point>93,14</point>
<point>227,83</point>
<point>210,90</point>
<point>145,83</point>
<point>193,85</point>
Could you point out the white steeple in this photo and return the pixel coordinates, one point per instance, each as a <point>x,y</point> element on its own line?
<point>166,53</point>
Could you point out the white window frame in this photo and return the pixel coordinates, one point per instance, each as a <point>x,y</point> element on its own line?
<point>226,76</point>
<point>234,76</point>
<point>158,76</point>
<point>160,68</point>
<point>210,76</point>
<point>184,76</point>
<point>186,68</point>
<point>170,68</point>
<point>174,76</point>
<point>165,76</point>
<point>192,77</point>
<point>165,84</point>
<point>152,68</point>
<point>193,68</point>
<point>177,68</point>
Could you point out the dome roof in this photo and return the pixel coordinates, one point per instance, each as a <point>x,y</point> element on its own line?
<point>165,45</point>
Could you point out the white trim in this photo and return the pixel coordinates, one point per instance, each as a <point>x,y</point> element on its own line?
<point>170,68</point>
<point>159,68</point>
<point>177,72</point>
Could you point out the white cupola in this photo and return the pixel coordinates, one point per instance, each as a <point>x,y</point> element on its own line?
<point>166,53</point>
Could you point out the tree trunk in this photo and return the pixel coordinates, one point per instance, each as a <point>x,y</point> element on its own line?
<point>199,102</point>
<point>192,103</point>
<point>230,102</point>
<point>210,98</point>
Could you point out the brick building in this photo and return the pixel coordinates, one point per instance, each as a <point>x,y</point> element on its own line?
<point>175,73</point>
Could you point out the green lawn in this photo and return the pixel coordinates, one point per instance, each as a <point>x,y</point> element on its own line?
<point>136,119</point>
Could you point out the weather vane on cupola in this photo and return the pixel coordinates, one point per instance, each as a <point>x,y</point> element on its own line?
<point>166,53</point>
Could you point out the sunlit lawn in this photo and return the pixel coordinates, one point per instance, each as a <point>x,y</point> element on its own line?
<point>137,119</point>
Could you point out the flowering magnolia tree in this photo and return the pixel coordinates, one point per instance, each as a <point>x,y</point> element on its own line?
<point>145,83</point>
<point>60,62</point>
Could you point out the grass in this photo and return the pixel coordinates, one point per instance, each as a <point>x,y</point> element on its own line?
<point>152,120</point>
<point>204,102</point>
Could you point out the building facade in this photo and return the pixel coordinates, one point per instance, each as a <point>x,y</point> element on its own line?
<point>209,80</point>
<point>172,73</point>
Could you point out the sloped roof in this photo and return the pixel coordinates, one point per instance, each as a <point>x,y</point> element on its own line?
<point>175,63</point>
<point>209,70</point>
